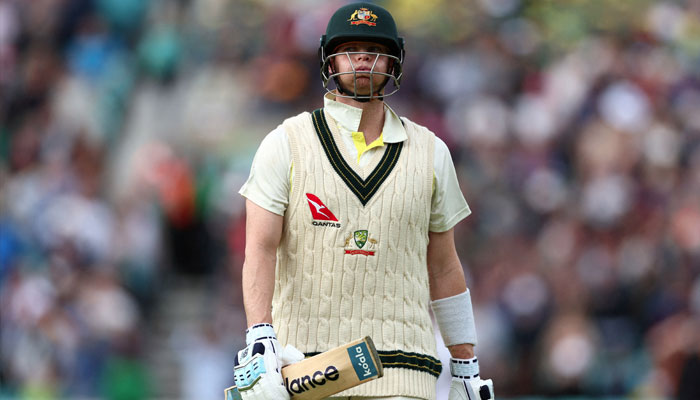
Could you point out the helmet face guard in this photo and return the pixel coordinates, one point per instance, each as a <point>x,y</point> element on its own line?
<point>329,74</point>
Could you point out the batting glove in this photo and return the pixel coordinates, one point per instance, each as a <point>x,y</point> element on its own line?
<point>258,367</point>
<point>466,383</point>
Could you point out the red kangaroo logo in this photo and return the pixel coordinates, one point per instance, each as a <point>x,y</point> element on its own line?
<point>319,211</point>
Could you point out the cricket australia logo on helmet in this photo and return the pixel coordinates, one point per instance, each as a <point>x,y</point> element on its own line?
<point>363,16</point>
<point>321,215</point>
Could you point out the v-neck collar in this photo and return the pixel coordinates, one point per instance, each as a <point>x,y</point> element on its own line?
<point>363,188</point>
<point>353,162</point>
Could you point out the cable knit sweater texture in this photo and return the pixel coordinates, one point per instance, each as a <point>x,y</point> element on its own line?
<point>335,285</point>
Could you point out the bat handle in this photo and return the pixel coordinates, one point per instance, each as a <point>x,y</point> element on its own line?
<point>232,393</point>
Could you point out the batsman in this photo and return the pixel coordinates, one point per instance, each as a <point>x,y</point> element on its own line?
<point>350,223</point>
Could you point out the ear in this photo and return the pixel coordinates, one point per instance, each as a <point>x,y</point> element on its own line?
<point>392,66</point>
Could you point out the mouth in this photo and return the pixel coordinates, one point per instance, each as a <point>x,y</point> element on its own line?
<point>362,73</point>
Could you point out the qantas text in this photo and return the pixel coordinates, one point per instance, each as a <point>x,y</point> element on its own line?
<point>326,223</point>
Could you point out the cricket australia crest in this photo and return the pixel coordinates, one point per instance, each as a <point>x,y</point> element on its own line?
<point>363,16</point>
<point>355,243</point>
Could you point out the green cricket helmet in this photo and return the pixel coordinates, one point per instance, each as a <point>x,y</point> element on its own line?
<point>364,22</point>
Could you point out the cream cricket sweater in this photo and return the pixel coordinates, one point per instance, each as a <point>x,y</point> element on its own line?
<point>352,261</point>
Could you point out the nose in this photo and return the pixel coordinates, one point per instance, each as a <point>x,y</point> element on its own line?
<point>364,56</point>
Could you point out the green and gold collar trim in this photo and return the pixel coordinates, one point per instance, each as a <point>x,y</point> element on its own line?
<point>363,189</point>
<point>402,359</point>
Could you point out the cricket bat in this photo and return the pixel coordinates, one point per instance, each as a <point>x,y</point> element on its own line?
<point>328,373</point>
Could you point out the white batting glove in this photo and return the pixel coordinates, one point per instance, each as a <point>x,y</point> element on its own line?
<point>466,383</point>
<point>258,367</point>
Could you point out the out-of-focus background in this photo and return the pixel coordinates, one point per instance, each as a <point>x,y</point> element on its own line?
<point>128,126</point>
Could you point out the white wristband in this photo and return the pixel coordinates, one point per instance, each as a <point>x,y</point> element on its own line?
<point>455,318</point>
<point>464,369</point>
<point>259,331</point>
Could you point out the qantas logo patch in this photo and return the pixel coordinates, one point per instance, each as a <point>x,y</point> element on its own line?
<point>320,213</point>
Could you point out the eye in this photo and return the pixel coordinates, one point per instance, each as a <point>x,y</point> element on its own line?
<point>375,49</point>
<point>348,49</point>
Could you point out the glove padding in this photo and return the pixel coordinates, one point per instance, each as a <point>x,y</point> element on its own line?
<point>466,382</point>
<point>471,389</point>
<point>258,369</point>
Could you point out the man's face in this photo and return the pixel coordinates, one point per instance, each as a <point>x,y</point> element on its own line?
<point>354,57</point>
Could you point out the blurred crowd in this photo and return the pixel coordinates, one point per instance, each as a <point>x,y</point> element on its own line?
<point>128,126</point>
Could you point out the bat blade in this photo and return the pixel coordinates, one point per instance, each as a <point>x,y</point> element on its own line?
<point>330,372</point>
